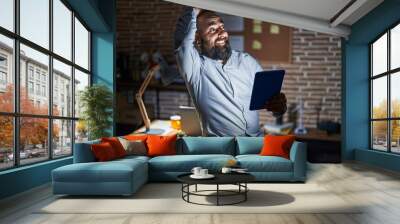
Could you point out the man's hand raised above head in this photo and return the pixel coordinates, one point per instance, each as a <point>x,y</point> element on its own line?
<point>197,11</point>
<point>277,104</point>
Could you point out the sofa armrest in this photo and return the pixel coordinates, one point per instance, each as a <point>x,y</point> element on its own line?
<point>298,155</point>
<point>83,152</point>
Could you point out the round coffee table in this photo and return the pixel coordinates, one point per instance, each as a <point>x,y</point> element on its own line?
<point>238,179</point>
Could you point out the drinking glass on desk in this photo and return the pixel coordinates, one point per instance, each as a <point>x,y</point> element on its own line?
<point>175,122</point>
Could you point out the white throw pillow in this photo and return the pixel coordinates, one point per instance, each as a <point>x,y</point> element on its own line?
<point>137,147</point>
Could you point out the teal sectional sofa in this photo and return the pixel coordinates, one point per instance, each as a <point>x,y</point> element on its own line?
<point>125,176</point>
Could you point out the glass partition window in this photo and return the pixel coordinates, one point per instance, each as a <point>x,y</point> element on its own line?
<point>42,122</point>
<point>6,142</point>
<point>81,81</point>
<point>379,56</point>
<point>62,30</point>
<point>62,137</point>
<point>379,97</point>
<point>395,47</point>
<point>62,89</point>
<point>6,74</point>
<point>35,21</point>
<point>30,58</point>
<point>81,45</point>
<point>379,131</point>
<point>385,91</point>
<point>395,136</point>
<point>33,140</point>
<point>7,14</point>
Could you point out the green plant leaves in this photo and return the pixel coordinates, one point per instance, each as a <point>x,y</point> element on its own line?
<point>96,102</point>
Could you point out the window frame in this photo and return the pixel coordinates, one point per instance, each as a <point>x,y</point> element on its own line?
<point>388,74</point>
<point>16,114</point>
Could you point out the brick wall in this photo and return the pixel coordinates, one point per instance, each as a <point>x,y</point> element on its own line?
<point>145,26</point>
<point>314,74</point>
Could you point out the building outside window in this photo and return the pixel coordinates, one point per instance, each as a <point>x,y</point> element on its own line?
<point>55,96</point>
<point>30,72</point>
<point>33,75</point>
<point>3,78</point>
<point>38,89</point>
<point>43,77</point>
<point>30,87</point>
<point>385,91</point>
<point>3,61</point>
<point>37,74</point>
<point>3,72</point>
<point>43,90</point>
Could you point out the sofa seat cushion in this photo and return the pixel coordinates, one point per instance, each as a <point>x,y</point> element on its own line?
<point>134,157</point>
<point>112,171</point>
<point>257,163</point>
<point>185,163</point>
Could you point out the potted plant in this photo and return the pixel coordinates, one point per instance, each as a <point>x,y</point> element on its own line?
<point>96,110</point>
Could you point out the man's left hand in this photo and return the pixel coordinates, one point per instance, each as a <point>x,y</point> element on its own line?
<point>277,104</point>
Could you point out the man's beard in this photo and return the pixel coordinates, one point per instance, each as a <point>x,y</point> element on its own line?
<point>217,53</point>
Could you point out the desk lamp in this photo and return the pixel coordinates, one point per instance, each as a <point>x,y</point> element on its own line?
<point>167,74</point>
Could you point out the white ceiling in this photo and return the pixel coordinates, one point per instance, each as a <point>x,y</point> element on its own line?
<point>313,15</point>
<point>321,9</point>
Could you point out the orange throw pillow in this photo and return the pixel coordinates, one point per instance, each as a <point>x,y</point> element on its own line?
<point>136,137</point>
<point>277,145</point>
<point>103,152</point>
<point>116,145</point>
<point>161,145</point>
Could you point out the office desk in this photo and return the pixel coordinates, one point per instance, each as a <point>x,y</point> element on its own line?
<point>159,127</point>
<point>321,147</point>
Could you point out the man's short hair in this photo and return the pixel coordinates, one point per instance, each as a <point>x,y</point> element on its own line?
<point>206,13</point>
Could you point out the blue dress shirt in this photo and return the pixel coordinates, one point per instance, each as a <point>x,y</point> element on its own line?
<point>221,93</point>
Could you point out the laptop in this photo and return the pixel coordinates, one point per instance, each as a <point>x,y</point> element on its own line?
<point>190,122</point>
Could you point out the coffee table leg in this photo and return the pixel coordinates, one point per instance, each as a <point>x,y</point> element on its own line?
<point>217,194</point>
<point>245,191</point>
<point>188,189</point>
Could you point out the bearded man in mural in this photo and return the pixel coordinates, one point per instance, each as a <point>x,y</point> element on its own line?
<point>219,79</point>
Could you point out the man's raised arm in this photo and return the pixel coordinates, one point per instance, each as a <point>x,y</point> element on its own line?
<point>187,55</point>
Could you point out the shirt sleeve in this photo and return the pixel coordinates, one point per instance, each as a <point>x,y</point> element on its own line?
<point>253,64</point>
<point>188,57</point>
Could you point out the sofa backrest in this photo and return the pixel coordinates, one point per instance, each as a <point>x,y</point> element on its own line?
<point>249,145</point>
<point>190,146</point>
<point>206,145</point>
<point>83,152</point>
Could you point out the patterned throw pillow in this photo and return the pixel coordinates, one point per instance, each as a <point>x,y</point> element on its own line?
<point>133,147</point>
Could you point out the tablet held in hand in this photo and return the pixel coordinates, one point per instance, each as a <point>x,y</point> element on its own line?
<point>266,85</point>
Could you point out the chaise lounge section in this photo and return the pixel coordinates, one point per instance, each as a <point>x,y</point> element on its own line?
<point>125,176</point>
<point>88,177</point>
